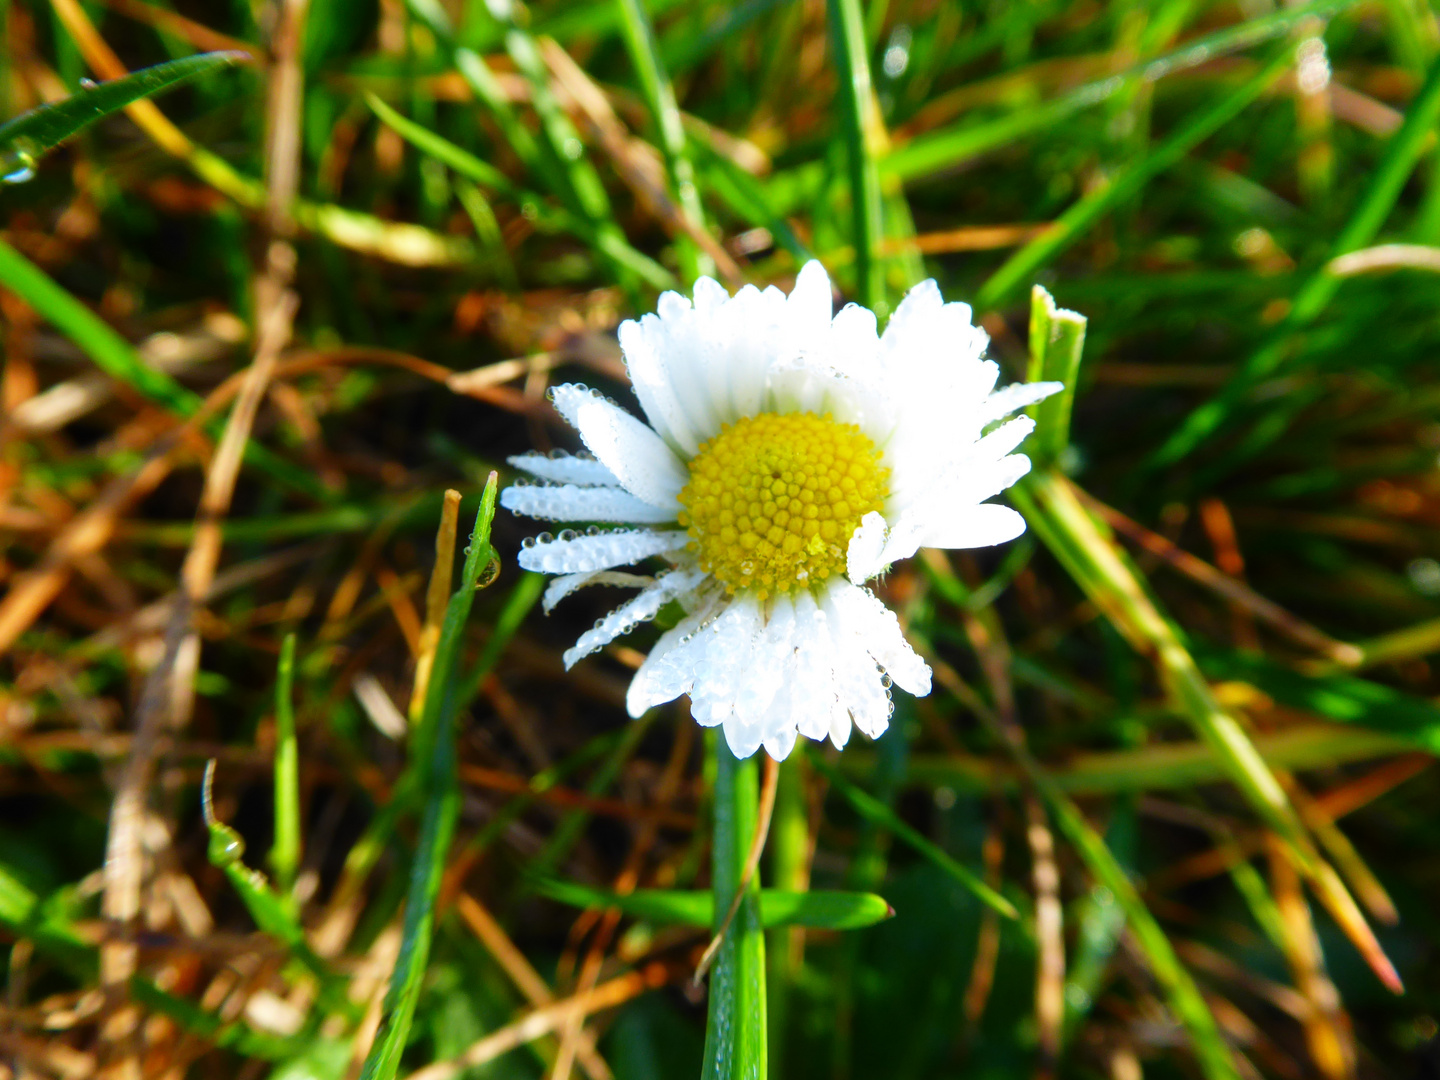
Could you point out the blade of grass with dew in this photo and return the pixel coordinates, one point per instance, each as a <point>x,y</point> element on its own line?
<point>1401,155</point>
<point>877,813</point>
<point>27,137</point>
<point>639,34</point>
<point>434,738</point>
<point>735,1027</point>
<point>272,914</point>
<point>864,146</point>
<point>1072,224</point>
<point>817,909</point>
<point>116,357</point>
<point>285,851</point>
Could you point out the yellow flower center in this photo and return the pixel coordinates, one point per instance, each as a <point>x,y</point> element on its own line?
<point>773,500</point>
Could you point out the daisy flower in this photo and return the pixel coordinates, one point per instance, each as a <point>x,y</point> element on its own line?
<point>791,454</point>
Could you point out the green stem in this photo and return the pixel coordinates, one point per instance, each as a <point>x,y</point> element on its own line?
<point>735,1029</point>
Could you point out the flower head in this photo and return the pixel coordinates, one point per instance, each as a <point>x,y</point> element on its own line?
<point>791,455</point>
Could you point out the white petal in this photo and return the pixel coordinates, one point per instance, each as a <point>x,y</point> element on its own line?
<point>709,294</point>
<point>742,739</point>
<point>724,658</point>
<point>568,502</point>
<point>669,670</point>
<point>640,342</point>
<point>599,552</point>
<point>561,587</point>
<point>1017,396</point>
<point>864,558</point>
<point>645,466</point>
<point>770,666</point>
<point>974,526</point>
<point>1003,439</point>
<point>879,631</point>
<point>636,610</point>
<point>779,744</point>
<point>857,678</point>
<point>811,302</point>
<point>812,691</point>
<point>565,469</point>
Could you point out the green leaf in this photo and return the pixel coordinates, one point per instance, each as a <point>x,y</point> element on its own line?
<point>432,745</point>
<point>30,135</point>
<point>816,910</point>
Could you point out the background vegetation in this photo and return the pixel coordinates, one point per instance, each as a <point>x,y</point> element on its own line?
<point>255,328</point>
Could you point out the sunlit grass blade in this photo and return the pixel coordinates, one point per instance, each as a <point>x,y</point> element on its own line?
<point>864,146</point>
<point>935,151</point>
<point>735,1028</point>
<point>27,137</point>
<point>433,745</point>
<point>468,165</point>
<point>877,813</point>
<point>1072,224</point>
<point>660,96</point>
<point>285,852</point>
<point>816,910</point>
<point>1401,155</point>
<point>1058,338</point>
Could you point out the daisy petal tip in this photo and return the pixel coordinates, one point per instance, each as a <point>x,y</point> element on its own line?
<point>865,556</point>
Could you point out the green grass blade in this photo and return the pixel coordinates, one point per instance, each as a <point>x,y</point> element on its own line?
<point>285,852</point>
<point>877,813</point>
<point>27,137</point>
<point>864,141</point>
<point>817,910</point>
<point>659,94</point>
<point>936,151</point>
<point>735,1029</point>
<point>1401,155</point>
<point>1059,341</point>
<point>434,738</point>
<point>1072,224</point>
<point>1180,990</point>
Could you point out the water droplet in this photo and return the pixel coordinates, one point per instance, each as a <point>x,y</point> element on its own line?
<point>593,530</point>
<point>558,454</point>
<point>550,394</point>
<point>886,681</point>
<point>544,538</point>
<point>596,394</point>
<point>490,573</point>
<point>17,165</point>
<point>88,84</point>
<point>528,542</point>
<point>568,534</point>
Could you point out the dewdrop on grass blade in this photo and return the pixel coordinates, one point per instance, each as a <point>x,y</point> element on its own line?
<point>791,454</point>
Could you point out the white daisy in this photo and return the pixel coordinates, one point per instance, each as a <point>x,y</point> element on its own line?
<point>790,456</point>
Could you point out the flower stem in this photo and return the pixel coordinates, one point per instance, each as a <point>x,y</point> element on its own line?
<point>735,1032</point>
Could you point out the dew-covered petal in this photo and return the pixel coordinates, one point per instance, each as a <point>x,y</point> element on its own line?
<point>669,670</point>
<point>563,586</point>
<point>569,502</point>
<point>641,343</point>
<point>599,552</point>
<point>780,742</point>
<point>812,688</point>
<point>724,659</point>
<point>565,469</point>
<point>858,681</point>
<point>811,303</point>
<point>877,627</point>
<point>628,615</point>
<point>640,459</point>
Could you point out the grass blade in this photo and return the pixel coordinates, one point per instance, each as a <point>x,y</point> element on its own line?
<point>1399,160</point>
<point>864,146</point>
<point>1072,224</point>
<point>660,96</point>
<point>434,746</point>
<point>1058,338</point>
<point>27,137</point>
<point>285,853</point>
<point>817,910</point>
<point>735,1029</point>
<point>877,813</point>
